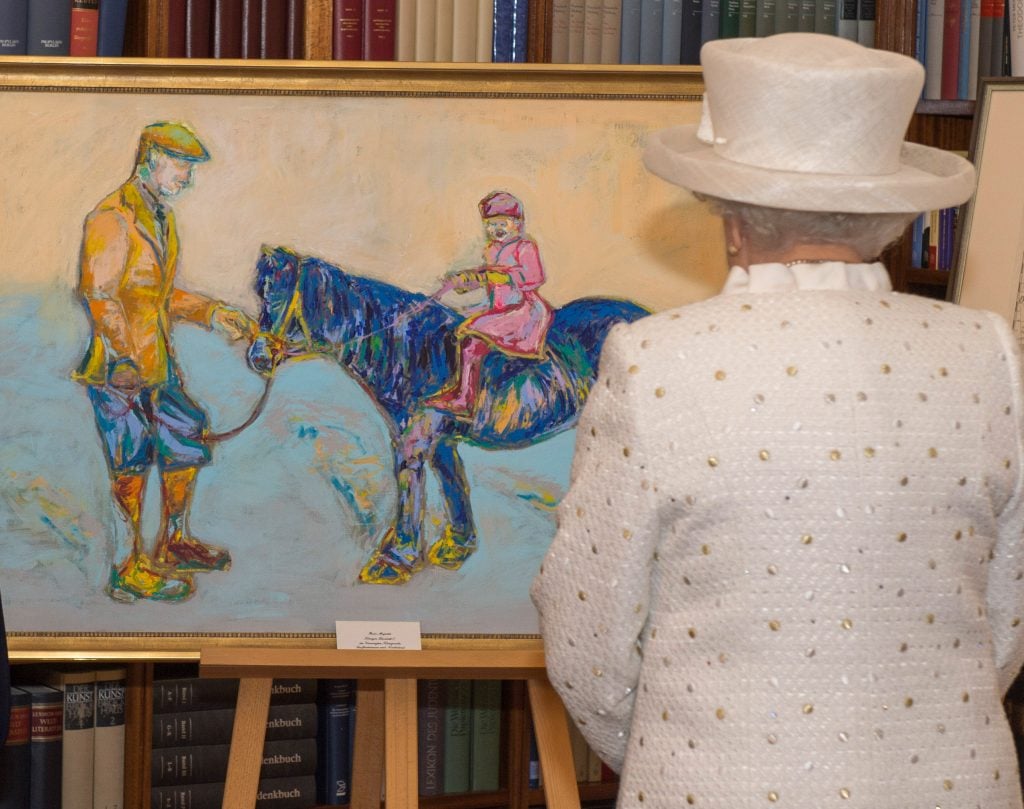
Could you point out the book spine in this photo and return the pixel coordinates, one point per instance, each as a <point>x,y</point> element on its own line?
<point>560,32</point>
<point>296,29</point>
<point>45,749</point>
<point>764,25</point>
<point>866,23</point>
<point>808,15</point>
<point>611,32</point>
<point>273,29</point>
<point>198,16</point>
<point>533,774</point>
<point>846,26</point>
<point>485,735</point>
<point>272,793</point>
<point>208,763</point>
<point>444,31</point>
<point>592,14</point>
<point>79,740</point>
<point>729,19</point>
<point>578,745</point>
<point>629,44</point>
<point>85,23</point>
<point>379,30</point>
<point>110,37</point>
<point>916,231</point>
<point>348,29</point>
<point>318,33</point>
<point>503,19</point>
<point>15,754</point>
<point>13,27</point>
<point>456,736</point>
<point>426,25</point>
<point>748,18</point>
<point>652,15</point>
<point>964,60</point>
<point>577,31</point>
<point>710,21</point>
<point>950,49</point>
<point>48,28</point>
<point>430,736</point>
<point>335,718</point>
<point>973,55</point>
<point>999,40</point>
<point>484,33</point>
<point>933,50</point>
<point>825,17</point>
<point>227,29</point>
<point>787,16</point>
<point>405,31</point>
<point>108,753</point>
<point>251,32</point>
<point>933,239</point>
<point>689,51</point>
<point>1016,26</point>
<point>214,726</point>
<point>520,28</point>
<point>195,694</point>
<point>672,32</point>
<point>464,29</point>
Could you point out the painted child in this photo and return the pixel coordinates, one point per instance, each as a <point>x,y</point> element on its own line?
<point>516,318</point>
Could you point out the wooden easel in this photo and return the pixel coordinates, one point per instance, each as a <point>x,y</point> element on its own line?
<point>386,744</point>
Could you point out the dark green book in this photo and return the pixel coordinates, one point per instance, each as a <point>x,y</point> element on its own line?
<point>457,702</point>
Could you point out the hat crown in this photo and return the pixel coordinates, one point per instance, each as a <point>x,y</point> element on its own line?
<point>809,103</point>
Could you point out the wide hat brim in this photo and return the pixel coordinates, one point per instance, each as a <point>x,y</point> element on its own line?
<point>927,178</point>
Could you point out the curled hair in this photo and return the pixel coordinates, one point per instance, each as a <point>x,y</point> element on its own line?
<point>778,229</point>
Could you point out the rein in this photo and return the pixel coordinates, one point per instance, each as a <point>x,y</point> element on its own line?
<point>275,336</point>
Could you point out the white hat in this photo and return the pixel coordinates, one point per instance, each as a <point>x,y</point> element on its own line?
<point>813,123</point>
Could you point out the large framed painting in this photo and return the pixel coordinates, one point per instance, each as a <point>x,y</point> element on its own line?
<point>291,344</point>
<point>989,270</point>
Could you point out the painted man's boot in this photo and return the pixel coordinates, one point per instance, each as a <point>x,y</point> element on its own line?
<point>177,548</point>
<point>139,577</point>
<point>452,549</point>
<point>460,398</point>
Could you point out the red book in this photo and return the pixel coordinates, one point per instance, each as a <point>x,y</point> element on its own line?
<point>951,49</point>
<point>379,30</point>
<point>198,16</point>
<point>273,29</point>
<point>176,29</point>
<point>85,21</point>
<point>296,29</point>
<point>348,29</point>
<point>227,29</point>
<point>250,29</point>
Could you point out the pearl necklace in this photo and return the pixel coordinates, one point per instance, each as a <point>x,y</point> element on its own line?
<point>811,261</point>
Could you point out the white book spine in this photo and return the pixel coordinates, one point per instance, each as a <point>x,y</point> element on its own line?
<point>974,50</point>
<point>405,38</point>
<point>108,755</point>
<point>593,19</point>
<point>485,33</point>
<point>1016,23</point>
<point>426,25</point>
<point>611,32</point>
<point>444,31</point>
<point>933,50</point>
<point>464,31</point>
<point>560,32</point>
<point>577,17</point>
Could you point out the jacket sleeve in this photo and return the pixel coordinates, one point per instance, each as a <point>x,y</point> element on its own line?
<point>1005,593</point>
<point>104,254</point>
<point>192,307</point>
<point>593,588</point>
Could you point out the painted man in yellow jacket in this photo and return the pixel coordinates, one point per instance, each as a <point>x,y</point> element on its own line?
<point>144,417</point>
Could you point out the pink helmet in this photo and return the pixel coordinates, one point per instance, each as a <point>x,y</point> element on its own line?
<point>501,203</point>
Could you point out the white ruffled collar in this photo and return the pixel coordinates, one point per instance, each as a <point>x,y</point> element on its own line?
<point>825,275</point>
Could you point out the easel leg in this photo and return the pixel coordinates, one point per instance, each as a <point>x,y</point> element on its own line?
<point>247,736</point>
<point>400,751</point>
<point>552,731</point>
<point>368,756</point>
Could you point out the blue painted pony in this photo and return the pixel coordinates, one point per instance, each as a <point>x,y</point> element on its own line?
<point>400,346</point>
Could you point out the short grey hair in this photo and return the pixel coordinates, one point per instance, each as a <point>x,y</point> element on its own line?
<point>780,228</point>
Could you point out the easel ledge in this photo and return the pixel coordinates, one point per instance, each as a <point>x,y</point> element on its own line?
<point>386,713</point>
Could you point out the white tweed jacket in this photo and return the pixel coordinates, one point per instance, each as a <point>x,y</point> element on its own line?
<point>788,571</point>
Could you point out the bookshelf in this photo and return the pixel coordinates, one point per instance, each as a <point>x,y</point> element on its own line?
<point>946,124</point>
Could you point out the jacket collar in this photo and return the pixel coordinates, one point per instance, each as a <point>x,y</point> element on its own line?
<point>795,276</point>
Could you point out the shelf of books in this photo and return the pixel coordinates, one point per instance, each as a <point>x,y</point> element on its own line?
<point>78,742</point>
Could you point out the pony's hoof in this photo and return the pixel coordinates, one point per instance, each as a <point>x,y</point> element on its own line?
<point>383,571</point>
<point>451,550</point>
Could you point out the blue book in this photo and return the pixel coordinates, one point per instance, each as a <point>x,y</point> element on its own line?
<point>49,28</point>
<point>110,35</point>
<point>13,27</point>
<point>651,20</point>
<point>520,26</point>
<point>533,776</point>
<point>336,702</point>
<point>916,233</point>
<point>629,50</point>
<point>693,14</point>
<point>503,22</point>
<point>920,33</point>
<point>671,32</point>
<point>964,64</point>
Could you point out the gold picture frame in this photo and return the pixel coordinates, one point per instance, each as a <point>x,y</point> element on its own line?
<point>62,116</point>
